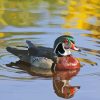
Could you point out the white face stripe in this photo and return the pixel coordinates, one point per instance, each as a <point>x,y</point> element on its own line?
<point>66,83</point>
<point>56,47</point>
<point>67,51</point>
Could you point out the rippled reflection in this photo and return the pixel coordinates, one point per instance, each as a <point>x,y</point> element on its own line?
<point>83,14</point>
<point>26,67</point>
<point>61,79</point>
<point>61,83</point>
<point>27,13</point>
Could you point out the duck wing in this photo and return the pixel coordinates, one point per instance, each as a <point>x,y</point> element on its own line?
<point>39,51</point>
<point>33,50</point>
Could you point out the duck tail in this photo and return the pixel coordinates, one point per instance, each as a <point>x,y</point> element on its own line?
<point>12,50</point>
<point>30,44</point>
<point>16,51</point>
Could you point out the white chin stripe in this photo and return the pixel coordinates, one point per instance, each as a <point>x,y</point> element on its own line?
<point>66,51</point>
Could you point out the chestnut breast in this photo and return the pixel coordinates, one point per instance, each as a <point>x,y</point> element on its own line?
<point>67,63</point>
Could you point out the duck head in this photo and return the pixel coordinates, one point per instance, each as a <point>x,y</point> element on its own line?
<point>63,44</point>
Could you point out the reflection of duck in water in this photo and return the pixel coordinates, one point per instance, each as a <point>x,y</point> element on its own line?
<point>43,57</point>
<point>61,83</point>
<point>26,67</point>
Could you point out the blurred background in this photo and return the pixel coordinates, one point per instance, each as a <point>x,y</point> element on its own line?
<point>42,21</point>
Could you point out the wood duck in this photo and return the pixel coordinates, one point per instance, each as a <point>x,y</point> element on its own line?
<point>44,57</point>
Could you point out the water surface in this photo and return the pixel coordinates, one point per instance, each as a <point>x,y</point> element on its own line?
<point>42,21</point>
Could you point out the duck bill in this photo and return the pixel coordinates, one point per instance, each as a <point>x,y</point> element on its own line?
<point>73,47</point>
<point>77,88</point>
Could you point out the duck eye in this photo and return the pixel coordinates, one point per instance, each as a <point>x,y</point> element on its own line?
<point>65,41</point>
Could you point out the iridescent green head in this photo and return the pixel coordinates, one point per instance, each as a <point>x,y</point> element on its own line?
<point>63,44</point>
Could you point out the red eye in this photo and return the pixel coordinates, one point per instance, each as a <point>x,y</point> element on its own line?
<point>65,41</point>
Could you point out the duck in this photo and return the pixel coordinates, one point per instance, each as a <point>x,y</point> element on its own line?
<point>57,58</point>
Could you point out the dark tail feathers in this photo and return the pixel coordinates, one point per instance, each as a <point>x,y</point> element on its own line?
<point>16,51</point>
